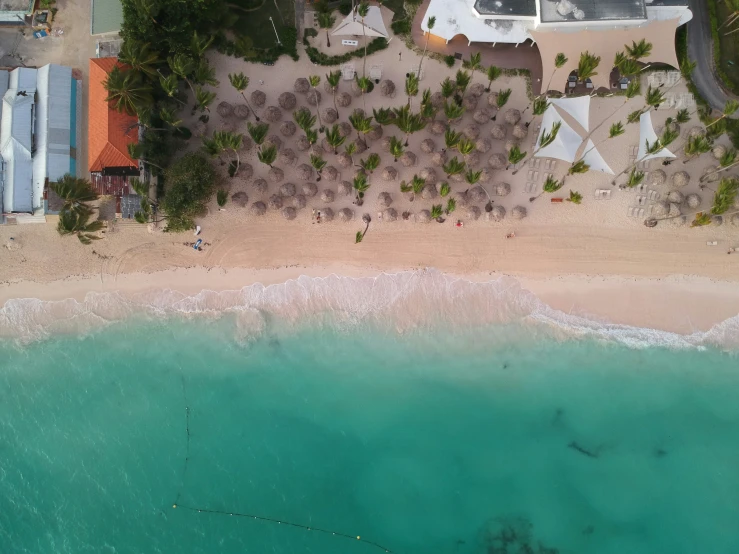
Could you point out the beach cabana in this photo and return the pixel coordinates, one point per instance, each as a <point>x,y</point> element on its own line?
<point>578,108</point>
<point>352,24</point>
<point>593,158</point>
<point>565,145</point>
<point>647,135</point>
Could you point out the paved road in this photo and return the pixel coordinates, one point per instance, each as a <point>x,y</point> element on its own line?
<point>700,50</point>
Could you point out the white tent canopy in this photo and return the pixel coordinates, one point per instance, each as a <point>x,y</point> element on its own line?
<point>373,24</point>
<point>567,142</point>
<point>647,134</point>
<point>593,158</point>
<point>578,107</point>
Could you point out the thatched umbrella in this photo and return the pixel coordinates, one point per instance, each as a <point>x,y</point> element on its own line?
<point>486,175</point>
<point>287,189</point>
<point>327,214</point>
<point>389,173</point>
<point>457,178</point>
<point>502,189</point>
<point>693,201</point>
<point>258,208</point>
<point>427,146</point>
<point>288,128</point>
<point>680,179</point>
<point>408,159</point>
<point>674,210</point>
<point>512,116</point>
<point>240,198</point>
<point>656,177</point>
<point>661,208</point>
<point>345,188</point>
<point>497,213</point>
<point>301,85</point>
<point>201,129</point>
<point>681,221</point>
<point>305,172</point>
<point>310,189</point>
<point>473,212</point>
<point>429,175</point>
<point>275,202</point>
<point>477,90</point>
<point>424,216</point>
<point>438,127</point>
<point>472,159</point>
<point>469,103</point>
<point>356,91</point>
<point>344,159</point>
<point>462,199</point>
<point>358,112</point>
<point>343,99</point>
<point>509,144</point>
<point>481,116</point>
<point>498,161</point>
<point>228,126</point>
<point>387,88</point>
<point>258,98</point>
<point>375,132</point>
<point>287,101</point>
<point>476,195</point>
<point>438,158</point>
<point>483,145</point>
<point>437,100</point>
<point>246,171</point>
<point>493,99</point>
<point>287,157</point>
<point>360,145</point>
<point>241,111</point>
<point>711,174</point>
<point>384,199</point>
<point>272,114</point>
<point>329,115</point>
<point>225,109</point>
<point>260,185</point>
<point>498,131</point>
<point>246,144</point>
<point>717,220</point>
<point>718,151</point>
<point>273,140</point>
<point>735,220</point>
<point>673,127</point>
<point>276,174</point>
<point>675,196</point>
<point>314,97</point>
<point>520,131</point>
<point>385,143</point>
<point>299,201</point>
<point>345,214</point>
<point>696,132</point>
<point>390,214</point>
<point>518,212</point>
<point>429,192</point>
<point>302,143</point>
<point>326,147</point>
<point>472,131</point>
<point>327,196</point>
<point>330,173</point>
<point>289,213</point>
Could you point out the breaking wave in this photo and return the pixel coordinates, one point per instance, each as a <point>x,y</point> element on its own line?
<point>402,301</point>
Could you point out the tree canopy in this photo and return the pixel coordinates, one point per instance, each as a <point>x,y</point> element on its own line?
<point>189,184</point>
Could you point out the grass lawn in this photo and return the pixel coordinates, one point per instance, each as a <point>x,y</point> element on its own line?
<point>256,25</point>
<point>729,45</point>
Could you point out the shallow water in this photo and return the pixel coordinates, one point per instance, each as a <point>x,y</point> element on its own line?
<point>431,440</point>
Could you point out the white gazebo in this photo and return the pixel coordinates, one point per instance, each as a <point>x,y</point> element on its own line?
<point>647,135</point>
<point>578,107</point>
<point>373,26</point>
<point>567,142</point>
<point>593,158</point>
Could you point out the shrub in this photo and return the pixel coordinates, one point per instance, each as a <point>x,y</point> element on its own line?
<point>449,60</point>
<point>401,27</point>
<point>190,183</point>
<point>320,58</point>
<point>222,197</point>
<point>183,132</point>
<point>309,32</point>
<point>345,8</point>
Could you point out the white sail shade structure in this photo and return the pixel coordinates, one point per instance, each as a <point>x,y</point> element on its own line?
<point>373,24</point>
<point>566,143</point>
<point>647,134</point>
<point>593,158</point>
<point>578,107</point>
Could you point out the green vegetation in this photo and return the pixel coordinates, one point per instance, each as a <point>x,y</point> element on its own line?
<point>191,181</point>
<point>74,219</point>
<point>318,57</point>
<point>725,43</point>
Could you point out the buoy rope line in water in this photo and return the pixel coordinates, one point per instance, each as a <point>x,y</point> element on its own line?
<point>252,516</point>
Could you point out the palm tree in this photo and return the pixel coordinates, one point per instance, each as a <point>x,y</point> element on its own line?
<point>651,149</point>
<point>576,168</point>
<point>408,122</point>
<point>415,186</point>
<point>559,61</point>
<point>182,65</point>
<point>444,189</point>
<point>634,116</point>
<point>463,81</point>
<point>683,116</point>
<point>140,57</point>
<point>396,148</point>
<point>502,99</point>
<point>169,117</point>
<point>575,197</point>
<point>360,234</point>
<point>304,119</point>
<point>473,177</point>
<point>205,74</point>
<point>653,98</point>
<point>334,138</point>
<point>428,111</point>
<point>437,211</point>
<point>222,141</point>
<point>136,151</point>
<point>360,123</point>
<point>639,50</point>
<point>363,10</point>
<point>73,191</point>
<point>361,186</point>
<point>454,167</point>
<point>430,22</point>
<point>453,111</point>
<point>701,219</point>
<point>696,146</point>
<point>240,82</point>
<point>77,222</point>
<point>465,147</point>
<point>727,161</point>
<point>547,138</point>
<point>492,73</point>
<point>333,79</point>
<point>411,87</point>
<point>514,156</point>
<point>635,178</point>
<point>730,107</point>
<point>127,92</point>
<point>199,46</point>
<point>350,150</point>
<point>314,81</point>
<point>474,63</point>
<point>203,99</point>
<point>451,138</point>
<point>364,84</point>
<point>171,86</point>
<point>586,66</point>
<point>326,21</point>
<point>318,164</point>
<point>451,205</point>
<point>268,155</point>
<point>258,132</point>
<point>448,88</point>
<point>551,185</point>
<point>540,105</point>
<point>725,195</point>
<point>371,163</point>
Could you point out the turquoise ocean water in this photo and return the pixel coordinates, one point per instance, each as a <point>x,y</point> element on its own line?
<point>495,437</point>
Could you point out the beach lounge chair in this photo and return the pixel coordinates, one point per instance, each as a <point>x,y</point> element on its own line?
<point>530,187</point>
<point>375,72</point>
<point>347,72</point>
<point>712,243</point>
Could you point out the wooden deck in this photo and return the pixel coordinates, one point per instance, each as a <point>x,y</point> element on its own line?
<point>111,185</point>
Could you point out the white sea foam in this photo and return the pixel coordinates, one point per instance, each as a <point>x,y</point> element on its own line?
<point>403,301</point>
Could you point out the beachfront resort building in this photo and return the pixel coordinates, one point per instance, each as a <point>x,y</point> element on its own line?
<point>38,133</point>
<point>601,27</point>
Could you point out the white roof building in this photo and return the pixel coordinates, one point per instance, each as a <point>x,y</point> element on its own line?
<point>353,24</point>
